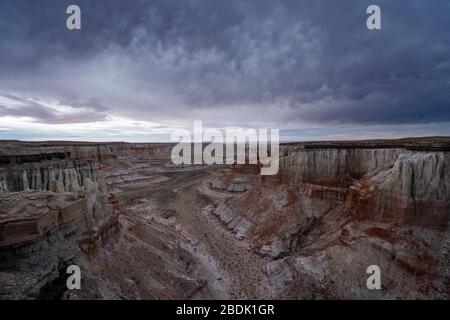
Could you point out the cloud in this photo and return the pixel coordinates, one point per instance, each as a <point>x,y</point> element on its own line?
<point>279,63</point>
<point>52,113</point>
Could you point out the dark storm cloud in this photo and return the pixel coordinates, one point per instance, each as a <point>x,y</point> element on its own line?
<point>282,61</point>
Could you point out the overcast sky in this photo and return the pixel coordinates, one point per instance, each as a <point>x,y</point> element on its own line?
<point>138,69</point>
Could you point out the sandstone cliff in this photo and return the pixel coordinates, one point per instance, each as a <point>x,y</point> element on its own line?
<point>385,185</point>
<point>50,202</point>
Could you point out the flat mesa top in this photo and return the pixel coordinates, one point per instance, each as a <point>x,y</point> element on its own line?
<point>419,144</point>
<point>17,147</point>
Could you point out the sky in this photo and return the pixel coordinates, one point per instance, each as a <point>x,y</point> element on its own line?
<point>137,70</point>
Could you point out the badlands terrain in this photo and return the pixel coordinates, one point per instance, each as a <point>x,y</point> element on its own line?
<point>140,227</point>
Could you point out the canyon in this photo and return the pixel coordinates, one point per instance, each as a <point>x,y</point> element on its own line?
<point>141,227</point>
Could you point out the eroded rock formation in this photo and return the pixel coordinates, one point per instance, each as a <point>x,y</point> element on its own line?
<point>142,228</point>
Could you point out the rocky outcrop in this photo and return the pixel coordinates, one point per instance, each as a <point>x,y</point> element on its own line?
<point>37,270</point>
<point>322,165</point>
<point>235,222</point>
<point>51,205</point>
<point>142,151</point>
<point>413,263</point>
<point>27,216</point>
<point>55,176</point>
<point>382,206</point>
<point>20,152</point>
<point>385,185</point>
<point>42,233</point>
<point>415,190</point>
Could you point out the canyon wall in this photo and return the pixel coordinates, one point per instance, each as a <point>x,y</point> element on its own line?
<point>336,208</point>
<point>54,208</point>
<point>362,206</point>
<point>387,185</point>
